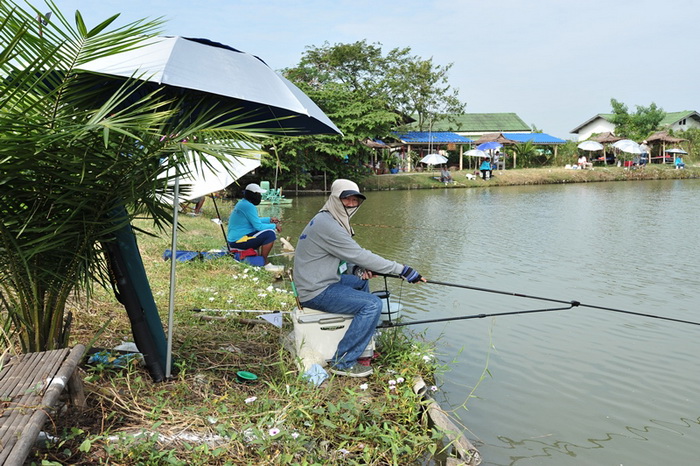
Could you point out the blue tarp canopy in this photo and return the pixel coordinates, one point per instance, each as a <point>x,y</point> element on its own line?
<point>536,138</point>
<point>432,137</point>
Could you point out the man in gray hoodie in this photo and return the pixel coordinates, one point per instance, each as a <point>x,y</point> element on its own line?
<point>331,273</point>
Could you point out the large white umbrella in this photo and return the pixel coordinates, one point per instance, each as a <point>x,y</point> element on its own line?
<point>206,175</point>
<point>434,159</point>
<point>236,84</point>
<point>591,146</point>
<point>244,81</point>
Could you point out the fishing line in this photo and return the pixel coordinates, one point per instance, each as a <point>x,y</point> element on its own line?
<point>571,303</point>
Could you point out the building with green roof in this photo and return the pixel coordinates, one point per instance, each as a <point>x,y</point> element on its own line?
<point>476,124</point>
<point>602,123</point>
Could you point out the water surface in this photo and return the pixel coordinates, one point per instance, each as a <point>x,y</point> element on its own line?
<point>582,386</point>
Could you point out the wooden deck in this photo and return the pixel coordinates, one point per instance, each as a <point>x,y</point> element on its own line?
<point>30,387</point>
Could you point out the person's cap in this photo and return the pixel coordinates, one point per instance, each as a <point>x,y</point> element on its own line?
<point>255,188</point>
<point>352,192</point>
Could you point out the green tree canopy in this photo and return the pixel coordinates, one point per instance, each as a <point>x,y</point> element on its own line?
<point>638,125</point>
<point>367,94</point>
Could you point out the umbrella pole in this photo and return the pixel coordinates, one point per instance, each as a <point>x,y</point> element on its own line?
<point>218,215</point>
<point>171,302</point>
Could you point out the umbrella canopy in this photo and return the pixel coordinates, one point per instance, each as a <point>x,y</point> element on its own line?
<point>628,145</point>
<point>236,84</point>
<point>243,81</point>
<point>434,159</point>
<point>676,150</point>
<point>489,145</point>
<point>207,175</point>
<point>476,153</point>
<point>591,146</point>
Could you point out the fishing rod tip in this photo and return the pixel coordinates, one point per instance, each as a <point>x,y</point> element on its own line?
<point>575,303</point>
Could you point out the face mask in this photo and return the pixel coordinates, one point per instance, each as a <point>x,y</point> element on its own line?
<point>253,198</point>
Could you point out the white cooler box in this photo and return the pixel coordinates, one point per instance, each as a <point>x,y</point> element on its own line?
<point>317,334</point>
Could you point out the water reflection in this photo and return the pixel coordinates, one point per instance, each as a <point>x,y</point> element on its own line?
<point>565,452</point>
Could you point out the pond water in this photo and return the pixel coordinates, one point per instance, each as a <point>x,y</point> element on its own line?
<point>580,386</point>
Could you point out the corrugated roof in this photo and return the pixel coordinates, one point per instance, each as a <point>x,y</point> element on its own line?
<point>674,117</point>
<point>432,137</point>
<point>479,123</point>
<point>536,138</point>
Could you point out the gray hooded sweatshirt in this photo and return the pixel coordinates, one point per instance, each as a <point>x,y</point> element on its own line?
<point>326,246</point>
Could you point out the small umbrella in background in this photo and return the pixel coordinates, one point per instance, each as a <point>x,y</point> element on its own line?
<point>676,150</point>
<point>207,175</point>
<point>590,146</point>
<point>627,145</point>
<point>489,145</point>
<point>476,153</point>
<point>434,159</point>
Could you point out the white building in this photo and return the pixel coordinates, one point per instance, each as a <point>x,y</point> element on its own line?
<point>676,121</point>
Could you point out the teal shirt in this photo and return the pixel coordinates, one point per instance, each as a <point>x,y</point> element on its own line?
<point>244,220</point>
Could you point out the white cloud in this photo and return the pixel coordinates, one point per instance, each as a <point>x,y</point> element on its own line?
<point>555,63</point>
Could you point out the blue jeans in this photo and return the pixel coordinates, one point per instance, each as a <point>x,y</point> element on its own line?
<point>257,239</point>
<point>350,296</point>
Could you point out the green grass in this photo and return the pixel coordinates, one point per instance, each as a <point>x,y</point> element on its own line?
<point>527,176</point>
<point>203,415</point>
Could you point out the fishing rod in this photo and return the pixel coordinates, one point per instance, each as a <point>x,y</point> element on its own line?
<point>390,324</point>
<point>377,225</point>
<point>570,303</point>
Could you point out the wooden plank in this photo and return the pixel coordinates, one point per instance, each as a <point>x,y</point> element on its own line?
<point>30,387</point>
<point>40,416</point>
<point>461,447</point>
<point>29,379</point>
<point>22,393</point>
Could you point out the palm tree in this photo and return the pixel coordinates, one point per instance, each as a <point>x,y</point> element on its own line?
<point>74,154</point>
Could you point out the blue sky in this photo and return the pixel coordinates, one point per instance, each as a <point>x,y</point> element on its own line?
<point>555,63</point>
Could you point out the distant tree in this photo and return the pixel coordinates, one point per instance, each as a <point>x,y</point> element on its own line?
<point>691,143</point>
<point>638,125</point>
<point>420,88</point>
<point>366,94</point>
<point>525,154</point>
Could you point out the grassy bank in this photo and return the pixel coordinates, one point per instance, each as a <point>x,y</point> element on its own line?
<point>527,176</point>
<point>204,415</point>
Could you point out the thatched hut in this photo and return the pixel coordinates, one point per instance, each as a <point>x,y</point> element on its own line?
<point>662,138</point>
<point>606,138</point>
